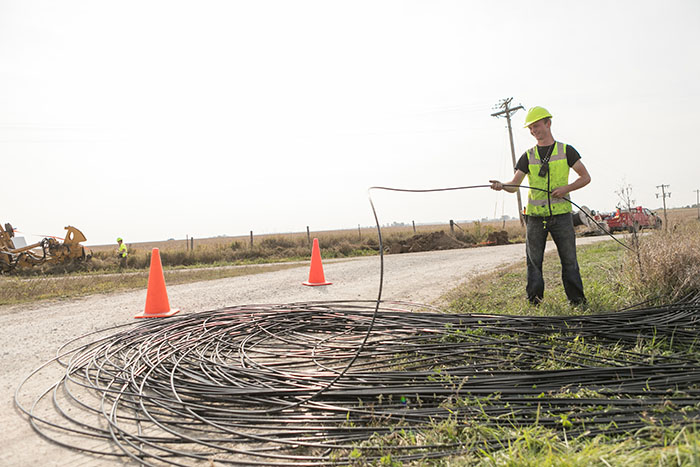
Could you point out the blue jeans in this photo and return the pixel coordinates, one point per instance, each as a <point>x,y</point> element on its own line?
<point>561,227</point>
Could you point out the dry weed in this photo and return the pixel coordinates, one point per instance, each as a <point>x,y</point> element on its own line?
<point>668,266</point>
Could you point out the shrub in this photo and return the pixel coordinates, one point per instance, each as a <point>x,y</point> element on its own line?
<point>344,248</point>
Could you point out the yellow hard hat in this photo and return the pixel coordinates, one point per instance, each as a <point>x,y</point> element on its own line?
<point>535,114</point>
<point>119,239</point>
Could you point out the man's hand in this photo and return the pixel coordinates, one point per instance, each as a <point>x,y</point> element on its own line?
<point>496,185</point>
<point>560,192</point>
<point>511,186</point>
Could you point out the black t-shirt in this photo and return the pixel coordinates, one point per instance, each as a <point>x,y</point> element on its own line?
<point>572,156</point>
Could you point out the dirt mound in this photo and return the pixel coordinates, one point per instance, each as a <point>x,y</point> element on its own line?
<point>498,238</point>
<point>427,242</point>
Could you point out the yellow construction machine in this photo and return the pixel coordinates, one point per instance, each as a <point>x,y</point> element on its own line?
<point>48,251</point>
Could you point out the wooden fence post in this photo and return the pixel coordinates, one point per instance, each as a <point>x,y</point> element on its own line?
<point>414,226</point>
<point>251,239</point>
<point>308,234</point>
<point>452,226</point>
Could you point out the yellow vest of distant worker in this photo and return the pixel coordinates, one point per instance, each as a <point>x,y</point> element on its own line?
<point>541,203</point>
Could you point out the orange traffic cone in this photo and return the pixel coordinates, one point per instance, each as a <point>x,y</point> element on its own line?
<point>316,273</point>
<point>157,304</point>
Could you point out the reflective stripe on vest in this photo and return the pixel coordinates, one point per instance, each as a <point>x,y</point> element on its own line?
<point>540,203</point>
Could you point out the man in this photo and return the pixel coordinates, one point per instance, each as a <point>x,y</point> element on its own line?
<point>548,209</point>
<point>122,253</point>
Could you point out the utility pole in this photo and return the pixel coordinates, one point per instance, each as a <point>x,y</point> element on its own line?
<point>697,195</point>
<point>507,110</point>
<point>664,195</point>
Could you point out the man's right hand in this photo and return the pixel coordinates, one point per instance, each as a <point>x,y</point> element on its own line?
<point>496,185</point>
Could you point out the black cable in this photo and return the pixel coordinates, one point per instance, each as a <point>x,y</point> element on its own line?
<point>226,383</point>
<point>598,224</point>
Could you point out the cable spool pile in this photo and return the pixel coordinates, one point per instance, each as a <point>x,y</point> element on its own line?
<point>306,384</point>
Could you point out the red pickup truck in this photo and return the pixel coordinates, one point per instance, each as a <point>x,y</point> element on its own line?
<point>632,220</point>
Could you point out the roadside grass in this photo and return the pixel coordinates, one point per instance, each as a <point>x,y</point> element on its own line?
<point>16,290</point>
<point>537,446</point>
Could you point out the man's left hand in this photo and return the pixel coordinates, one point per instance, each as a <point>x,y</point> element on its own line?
<point>559,192</point>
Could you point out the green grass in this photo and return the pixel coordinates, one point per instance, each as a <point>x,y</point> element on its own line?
<point>503,291</point>
<point>536,446</point>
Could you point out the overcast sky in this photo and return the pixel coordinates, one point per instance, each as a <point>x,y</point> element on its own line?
<point>156,119</point>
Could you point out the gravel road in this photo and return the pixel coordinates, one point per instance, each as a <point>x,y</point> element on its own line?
<point>31,334</point>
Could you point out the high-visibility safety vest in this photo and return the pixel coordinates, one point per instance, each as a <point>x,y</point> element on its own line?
<point>122,250</point>
<point>541,203</point>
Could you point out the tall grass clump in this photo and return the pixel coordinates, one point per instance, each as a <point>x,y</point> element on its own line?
<point>667,263</point>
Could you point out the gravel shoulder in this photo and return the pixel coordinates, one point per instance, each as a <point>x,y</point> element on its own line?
<point>31,334</point>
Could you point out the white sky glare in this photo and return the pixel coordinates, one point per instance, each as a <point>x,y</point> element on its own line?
<point>157,119</point>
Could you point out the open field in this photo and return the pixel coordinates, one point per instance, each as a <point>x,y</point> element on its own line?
<point>297,246</point>
<point>325,235</point>
<point>515,232</point>
<point>677,215</point>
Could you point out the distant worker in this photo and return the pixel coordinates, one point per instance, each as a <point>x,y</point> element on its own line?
<point>548,208</point>
<point>122,253</point>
